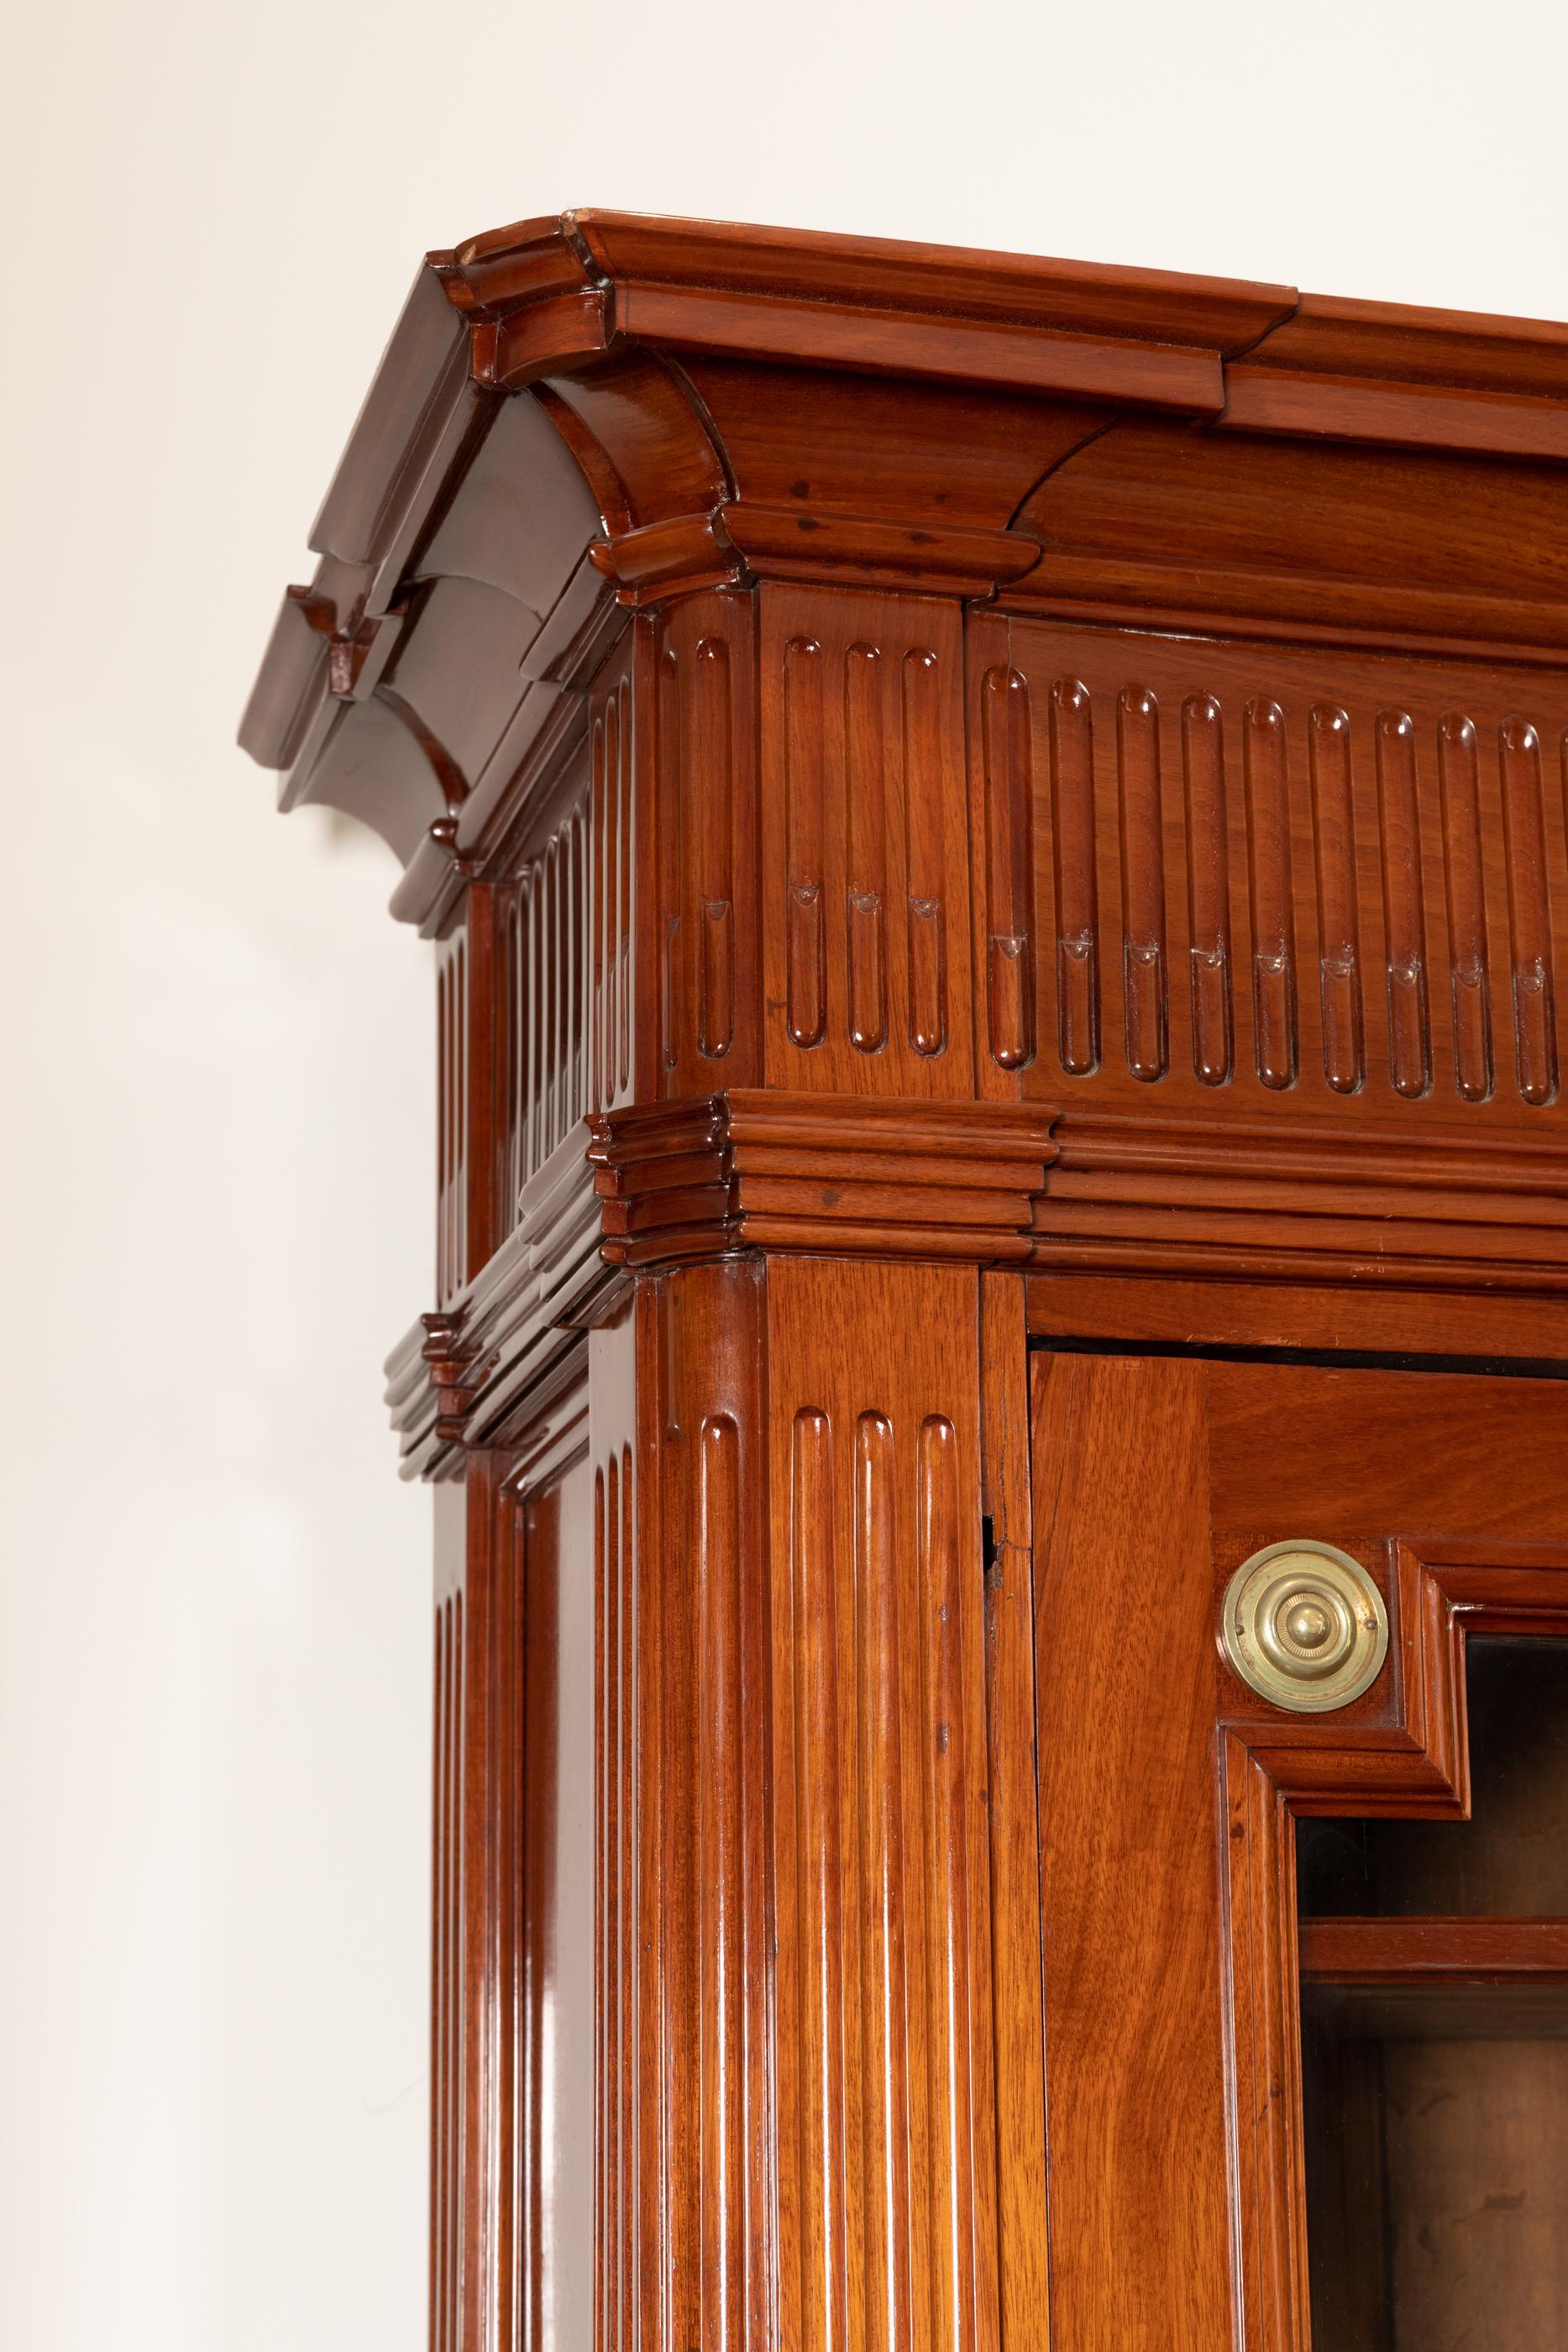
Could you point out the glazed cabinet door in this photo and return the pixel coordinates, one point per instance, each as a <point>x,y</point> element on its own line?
<point>1302,1676</point>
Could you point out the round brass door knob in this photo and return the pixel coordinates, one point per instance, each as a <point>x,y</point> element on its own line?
<point>1305,1626</point>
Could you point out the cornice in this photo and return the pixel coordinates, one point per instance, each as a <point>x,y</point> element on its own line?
<point>646,1190</point>
<point>548,289</point>
<point>1303,1203</point>
<point>649,1189</point>
<point>667,406</point>
<point>828,1174</point>
<point>459,1375</point>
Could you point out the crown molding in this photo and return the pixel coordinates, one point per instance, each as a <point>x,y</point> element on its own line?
<point>603,408</point>
<point>833,1173</point>
<point>1292,1204</point>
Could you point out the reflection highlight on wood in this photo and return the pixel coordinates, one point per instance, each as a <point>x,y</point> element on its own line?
<point>703,827</point>
<point>1382,841</point>
<point>1269,885</point>
<point>711,784</point>
<point>805,924</point>
<point>720,1877</point>
<point>1009,881</point>
<point>772,659</point>
<point>1143,881</point>
<point>1076,890</point>
<point>1339,947</point>
<point>1404,904</point>
<point>449,1971</point>
<point>1465,868</point>
<point>866,815</point>
<point>925,850</point>
<point>1209,887</point>
<point>568,958</point>
<point>887,2184</point>
<point>1529,911</point>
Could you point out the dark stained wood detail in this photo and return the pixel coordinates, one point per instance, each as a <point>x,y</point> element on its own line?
<point>1144,949</point>
<point>888,2153</point>
<point>1226,1311</point>
<point>1153,525</point>
<point>705,819</point>
<point>1010,936</point>
<point>698,2244</point>
<point>617,1876</point>
<point>1433,1952</point>
<point>955,800</point>
<point>1379,858</point>
<point>1303,1203</point>
<point>753,1168</point>
<point>452,1120</point>
<point>446,1978</point>
<point>865,888</point>
<point>1385,371</point>
<point>1210,948</point>
<point>551,923</point>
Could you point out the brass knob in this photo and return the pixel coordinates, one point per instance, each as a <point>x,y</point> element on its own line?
<point>1305,1626</point>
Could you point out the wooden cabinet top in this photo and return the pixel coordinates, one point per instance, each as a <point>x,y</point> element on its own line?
<point>710,403</point>
<point>1127,705</point>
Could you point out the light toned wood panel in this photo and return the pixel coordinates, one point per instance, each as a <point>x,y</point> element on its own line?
<point>1014,1813</point>
<point>1139,2232</point>
<point>1330,1454</point>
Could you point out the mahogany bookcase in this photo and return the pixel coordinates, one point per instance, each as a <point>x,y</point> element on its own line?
<point>992,833</point>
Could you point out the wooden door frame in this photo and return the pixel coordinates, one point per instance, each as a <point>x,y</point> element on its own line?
<point>1273,1769</point>
<point>1233,1982</point>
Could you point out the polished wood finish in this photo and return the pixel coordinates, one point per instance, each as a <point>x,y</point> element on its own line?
<point>1159,1477</point>
<point>1433,1952</point>
<point>985,824</point>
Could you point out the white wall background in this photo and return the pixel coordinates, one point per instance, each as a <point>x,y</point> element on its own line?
<point>212,1661</point>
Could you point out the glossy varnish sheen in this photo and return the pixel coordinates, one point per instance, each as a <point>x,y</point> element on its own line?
<point>986,826</point>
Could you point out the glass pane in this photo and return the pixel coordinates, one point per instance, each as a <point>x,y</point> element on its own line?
<point>1510,1858</point>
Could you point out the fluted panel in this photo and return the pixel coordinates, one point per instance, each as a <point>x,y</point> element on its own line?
<point>1464,862</point>
<point>1209,887</point>
<point>805,909</point>
<point>615,1880</point>
<point>688,2235</point>
<point>567,942</point>
<point>1529,911</point>
<point>452,1120</point>
<point>1010,870</point>
<point>887,2178</point>
<point>560,895</point>
<point>1076,887</point>
<point>1269,896</point>
<point>447,1979</point>
<point>705,845</point>
<point>865,882</point>
<point>1404,903</point>
<point>925,851</point>
<point>1143,881</point>
<point>1354,855</point>
<point>1339,914</point>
